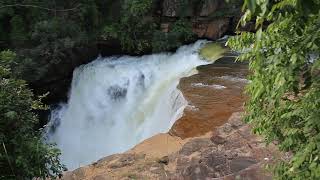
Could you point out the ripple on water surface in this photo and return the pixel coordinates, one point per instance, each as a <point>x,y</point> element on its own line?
<point>213,95</point>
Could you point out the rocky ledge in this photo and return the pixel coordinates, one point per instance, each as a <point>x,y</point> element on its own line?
<point>229,152</point>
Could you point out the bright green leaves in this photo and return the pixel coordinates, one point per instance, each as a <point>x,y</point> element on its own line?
<point>137,7</point>
<point>6,57</point>
<point>257,8</point>
<point>284,103</point>
<point>250,5</point>
<point>23,155</point>
<point>134,29</point>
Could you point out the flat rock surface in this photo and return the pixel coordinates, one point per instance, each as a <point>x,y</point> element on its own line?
<point>228,152</point>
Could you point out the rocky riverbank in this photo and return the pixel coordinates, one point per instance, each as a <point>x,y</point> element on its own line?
<point>209,141</point>
<point>229,151</point>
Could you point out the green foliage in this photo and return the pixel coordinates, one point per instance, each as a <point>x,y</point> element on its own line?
<point>18,33</point>
<point>180,33</point>
<point>284,103</point>
<point>137,31</point>
<point>44,32</point>
<point>134,29</point>
<point>23,155</point>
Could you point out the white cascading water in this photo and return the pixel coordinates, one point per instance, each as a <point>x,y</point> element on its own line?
<point>117,102</point>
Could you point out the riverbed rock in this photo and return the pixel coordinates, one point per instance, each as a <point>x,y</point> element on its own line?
<point>237,154</point>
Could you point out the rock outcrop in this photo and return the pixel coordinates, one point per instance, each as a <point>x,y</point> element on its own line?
<point>212,29</point>
<point>210,19</point>
<point>228,152</point>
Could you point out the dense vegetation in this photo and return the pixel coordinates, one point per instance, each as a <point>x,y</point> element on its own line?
<point>22,153</point>
<point>42,31</point>
<point>138,31</point>
<point>284,102</point>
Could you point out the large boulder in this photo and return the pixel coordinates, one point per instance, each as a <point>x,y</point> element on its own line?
<point>213,29</point>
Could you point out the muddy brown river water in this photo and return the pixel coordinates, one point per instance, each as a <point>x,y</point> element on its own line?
<point>213,95</point>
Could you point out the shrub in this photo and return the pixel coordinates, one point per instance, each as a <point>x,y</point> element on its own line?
<point>181,32</point>
<point>23,155</point>
<point>284,103</point>
<point>134,29</point>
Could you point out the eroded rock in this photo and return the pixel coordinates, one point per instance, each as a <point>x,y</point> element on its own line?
<point>236,154</point>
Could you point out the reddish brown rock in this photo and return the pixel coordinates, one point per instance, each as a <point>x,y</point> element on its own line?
<point>213,29</point>
<point>209,7</point>
<point>242,156</point>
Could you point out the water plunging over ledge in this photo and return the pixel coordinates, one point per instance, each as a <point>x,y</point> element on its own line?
<point>117,102</point>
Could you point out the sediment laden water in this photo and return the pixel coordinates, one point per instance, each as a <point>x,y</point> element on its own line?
<point>117,102</point>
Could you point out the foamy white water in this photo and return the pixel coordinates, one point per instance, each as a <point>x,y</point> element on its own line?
<point>117,102</point>
<point>214,86</point>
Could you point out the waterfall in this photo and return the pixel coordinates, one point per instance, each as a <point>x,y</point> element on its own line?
<point>117,102</point>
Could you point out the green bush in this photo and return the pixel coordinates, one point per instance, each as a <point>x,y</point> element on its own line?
<point>138,32</point>
<point>44,32</point>
<point>134,29</point>
<point>284,103</point>
<point>23,154</point>
<point>181,32</point>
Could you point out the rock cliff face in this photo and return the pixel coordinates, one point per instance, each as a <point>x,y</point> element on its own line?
<point>228,152</point>
<point>210,18</point>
